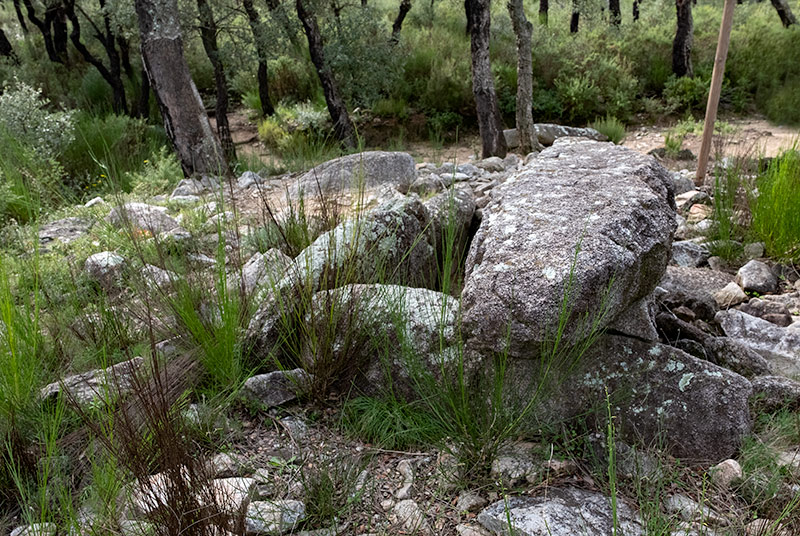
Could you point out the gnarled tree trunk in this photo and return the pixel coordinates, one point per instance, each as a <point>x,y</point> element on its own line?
<point>341,120</point>
<point>6,50</point>
<point>784,12</point>
<point>208,35</point>
<point>185,119</point>
<point>257,29</point>
<point>682,45</point>
<point>523,30</point>
<point>489,122</point>
<point>405,7</point>
<point>616,12</point>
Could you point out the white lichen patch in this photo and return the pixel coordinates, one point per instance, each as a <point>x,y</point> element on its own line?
<point>549,273</point>
<point>654,351</point>
<point>685,380</point>
<point>674,366</point>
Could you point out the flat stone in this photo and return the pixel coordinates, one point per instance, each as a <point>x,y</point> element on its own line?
<point>730,295</point>
<point>779,346</point>
<point>65,230</point>
<point>94,386</point>
<point>266,268</point>
<point>548,133</point>
<point>561,512</point>
<point>276,388</point>
<point>771,311</point>
<point>413,518</point>
<point>36,529</point>
<point>105,268</point>
<point>142,216</point>
<point>772,393</point>
<point>689,253</point>
<point>694,280</point>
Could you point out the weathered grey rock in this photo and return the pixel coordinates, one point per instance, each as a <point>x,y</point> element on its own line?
<point>95,385</point>
<point>512,138</point>
<point>450,214</point>
<point>227,465</point>
<point>730,295</point>
<point>105,268</point>
<point>142,216</point>
<point>36,529</point>
<point>95,202</point>
<point>469,502</point>
<point>726,472</point>
<point>248,179</point>
<point>65,230</point>
<point>755,276</point>
<point>469,169</point>
<point>413,518</point>
<point>760,527</point>
<point>735,356</point>
<point>696,281</point>
<point>389,243</point>
<point>276,388</point>
<point>368,169</point>
<point>516,464</point>
<point>266,518</point>
<point>771,393</point>
<point>610,201</point>
<point>548,133</point>
<point>405,468</point>
<point>421,324</point>
<point>754,250</point>
<point>493,164</point>
<point>771,311</point>
<point>780,346</point>
<point>560,512</point>
<point>471,530</point>
<point>638,320</point>
<point>188,187</point>
<point>689,253</point>
<point>157,278</point>
<point>699,410</point>
<point>689,510</point>
<point>231,494</point>
<point>681,183</point>
<point>264,269</point>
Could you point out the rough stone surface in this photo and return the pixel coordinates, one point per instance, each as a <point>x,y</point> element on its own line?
<point>248,179</point>
<point>561,512</point>
<point>142,216</point>
<point>65,230</point>
<point>771,393</point>
<point>36,529</point>
<point>699,410</point>
<point>264,269</point>
<point>726,472</point>
<point>548,133</point>
<point>638,320</point>
<point>105,268</point>
<point>695,281</point>
<point>779,346</point>
<point>512,138</point>
<point>689,253</point>
<point>276,388</point>
<point>754,250</point>
<point>374,168</point>
<point>422,322</point>
<point>267,518</point>
<point>95,385</point>
<point>610,201</point>
<point>188,187</point>
<point>735,356</point>
<point>771,311</point>
<point>755,276</point>
<point>689,510</point>
<point>515,464</point>
<point>730,295</point>
<point>493,164</point>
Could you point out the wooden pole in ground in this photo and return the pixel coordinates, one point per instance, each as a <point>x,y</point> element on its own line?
<point>716,88</point>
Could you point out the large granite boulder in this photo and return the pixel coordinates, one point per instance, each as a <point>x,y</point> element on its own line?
<point>548,133</point>
<point>591,220</point>
<point>697,410</point>
<point>143,217</point>
<point>367,170</point>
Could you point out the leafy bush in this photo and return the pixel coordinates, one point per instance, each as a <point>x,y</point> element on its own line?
<point>271,132</point>
<point>159,174</point>
<point>24,116</point>
<point>291,79</point>
<point>686,94</point>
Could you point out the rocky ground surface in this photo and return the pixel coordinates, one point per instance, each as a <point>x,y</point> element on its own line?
<point>695,346</point>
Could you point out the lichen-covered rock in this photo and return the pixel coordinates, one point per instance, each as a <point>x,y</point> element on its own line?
<point>65,230</point>
<point>560,512</point>
<point>548,133</point>
<point>779,346</point>
<point>367,170</point>
<point>264,269</point>
<point>735,356</point>
<point>689,253</point>
<point>418,326</point>
<point>699,410</point>
<point>610,203</point>
<point>450,215</point>
<point>771,393</point>
<point>105,268</point>
<point>276,388</point>
<point>143,217</point>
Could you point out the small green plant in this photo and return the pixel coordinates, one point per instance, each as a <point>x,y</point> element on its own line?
<point>612,461</point>
<point>775,207</point>
<point>272,133</point>
<point>333,488</point>
<point>611,127</point>
<point>673,142</point>
<point>390,423</point>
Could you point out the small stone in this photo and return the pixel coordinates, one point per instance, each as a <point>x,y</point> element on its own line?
<point>515,465</point>
<point>716,263</point>
<point>472,530</point>
<point>761,527</point>
<point>689,510</point>
<point>726,473</point>
<point>493,164</point>
<point>227,464</point>
<point>404,468</point>
<point>689,253</point>
<point>413,518</point>
<point>276,388</point>
<point>730,295</point>
<point>95,202</point>
<point>698,213</point>
<point>755,276</point>
<point>273,518</point>
<point>248,179</point>
<point>105,268</point>
<point>754,251</point>
<point>470,502</point>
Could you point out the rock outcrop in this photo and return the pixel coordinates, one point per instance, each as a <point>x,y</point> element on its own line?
<point>367,170</point>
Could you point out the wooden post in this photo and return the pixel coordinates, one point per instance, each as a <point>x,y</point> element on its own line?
<point>716,88</point>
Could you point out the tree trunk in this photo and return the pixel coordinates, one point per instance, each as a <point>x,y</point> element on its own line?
<point>522,30</point>
<point>575,20</point>
<point>44,29</point>
<point>143,104</point>
<point>60,33</point>
<point>341,120</point>
<point>682,45</point>
<point>616,13</point>
<point>257,29</point>
<point>489,123</point>
<point>20,17</point>
<point>6,50</point>
<point>635,10</point>
<point>208,36</point>
<point>544,8</point>
<point>784,12</point>
<point>185,119</point>
<point>405,7</point>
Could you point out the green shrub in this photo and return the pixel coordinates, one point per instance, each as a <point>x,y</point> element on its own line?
<point>271,132</point>
<point>389,423</point>
<point>611,127</point>
<point>686,94</point>
<point>291,79</point>
<point>159,174</point>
